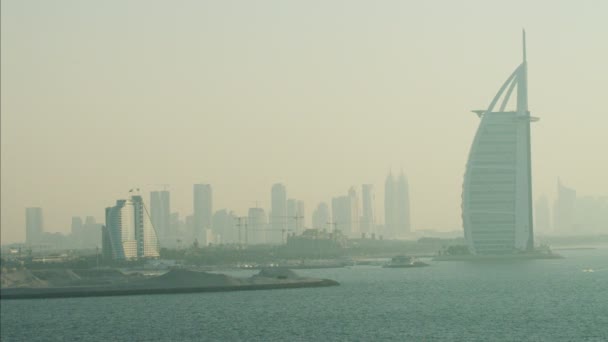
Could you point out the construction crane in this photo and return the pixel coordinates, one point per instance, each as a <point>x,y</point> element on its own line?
<point>296,218</point>
<point>136,191</point>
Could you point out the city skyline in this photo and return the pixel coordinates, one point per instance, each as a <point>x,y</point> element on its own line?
<point>570,215</point>
<point>256,88</point>
<point>187,224</point>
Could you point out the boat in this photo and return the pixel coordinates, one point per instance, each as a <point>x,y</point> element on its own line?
<point>403,261</point>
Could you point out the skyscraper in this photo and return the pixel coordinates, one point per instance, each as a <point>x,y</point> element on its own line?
<point>292,215</point>
<point>85,235</point>
<point>160,210</point>
<point>257,226</point>
<point>320,217</point>
<point>497,191</point>
<point>76,227</point>
<point>295,216</point>
<point>368,220</point>
<point>563,210</point>
<point>278,214</point>
<point>345,214</point>
<point>402,194</point>
<point>177,225</point>
<point>203,211</point>
<point>33,225</point>
<point>341,213</point>
<point>301,214</point>
<point>390,207</point>
<point>190,234</point>
<point>591,215</point>
<point>224,225</point>
<point>77,231</point>
<point>128,233</point>
<point>355,215</point>
<point>396,206</point>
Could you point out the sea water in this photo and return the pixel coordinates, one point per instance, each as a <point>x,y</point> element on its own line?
<point>519,300</point>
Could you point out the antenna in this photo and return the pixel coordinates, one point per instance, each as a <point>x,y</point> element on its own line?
<point>523,34</point>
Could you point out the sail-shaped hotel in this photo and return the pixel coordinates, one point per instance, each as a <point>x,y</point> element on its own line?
<point>497,189</point>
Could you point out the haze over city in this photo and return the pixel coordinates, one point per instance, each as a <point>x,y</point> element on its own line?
<point>101,97</point>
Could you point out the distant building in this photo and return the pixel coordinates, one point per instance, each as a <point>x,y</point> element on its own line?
<point>301,217</point>
<point>203,211</point>
<point>278,214</point>
<point>579,215</point>
<point>321,217</point>
<point>340,213</point>
<point>542,215</point>
<point>77,226</point>
<point>355,229</point>
<point>257,226</point>
<point>403,205</point>
<point>177,237</point>
<point>189,231</point>
<point>563,210</point>
<point>396,206</point>
<point>89,221</point>
<point>345,214</point>
<point>591,215</point>
<point>84,235</point>
<point>224,225</point>
<point>177,225</point>
<point>390,207</point>
<point>295,216</point>
<point>89,237</point>
<point>128,233</point>
<point>33,225</point>
<point>368,220</point>
<point>77,231</point>
<point>160,211</point>
<point>292,214</point>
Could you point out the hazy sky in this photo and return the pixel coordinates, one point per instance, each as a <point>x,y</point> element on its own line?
<point>102,96</point>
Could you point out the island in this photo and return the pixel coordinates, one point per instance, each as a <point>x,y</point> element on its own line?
<point>25,284</point>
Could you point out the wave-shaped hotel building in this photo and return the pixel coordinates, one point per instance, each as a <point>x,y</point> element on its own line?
<point>129,233</point>
<point>497,190</point>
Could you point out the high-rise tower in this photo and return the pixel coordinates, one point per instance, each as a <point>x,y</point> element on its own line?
<point>33,225</point>
<point>278,214</point>
<point>160,210</point>
<point>497,189</point>
<point>320,217</point>
<point>368,219</point>
<point>355,215</point>
<point>256,226</point>
<point>390,206</point>
<point>203,211</point>
<point>563,211</point>
<point>403,205</point>
<point>345,214</point>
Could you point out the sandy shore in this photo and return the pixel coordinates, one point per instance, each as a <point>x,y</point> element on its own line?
<point>174,281</point>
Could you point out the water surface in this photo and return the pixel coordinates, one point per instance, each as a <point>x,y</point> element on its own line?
<point>533,300</point>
